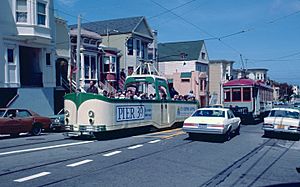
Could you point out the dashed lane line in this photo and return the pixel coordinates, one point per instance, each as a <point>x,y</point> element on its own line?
<point>44,148</point>
<point>135,146</point>
<point>154,141</point>
<point>79,163</point>
<point>32,177</point>
<point>112,153</point>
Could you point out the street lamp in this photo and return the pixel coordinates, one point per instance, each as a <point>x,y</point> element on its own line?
<point>109,32</point>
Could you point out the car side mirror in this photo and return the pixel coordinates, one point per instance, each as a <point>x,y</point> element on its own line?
<point>10,115</point>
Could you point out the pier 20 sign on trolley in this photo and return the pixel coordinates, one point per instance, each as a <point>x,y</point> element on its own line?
<point>132,112</point>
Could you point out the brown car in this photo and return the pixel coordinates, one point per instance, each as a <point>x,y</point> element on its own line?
<point>15,121</point>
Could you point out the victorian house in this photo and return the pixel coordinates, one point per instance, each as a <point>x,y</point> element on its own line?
<point>27,54</point>
<point>132,36</point>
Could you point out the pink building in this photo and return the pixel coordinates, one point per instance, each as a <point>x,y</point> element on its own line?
<point>185,64</point>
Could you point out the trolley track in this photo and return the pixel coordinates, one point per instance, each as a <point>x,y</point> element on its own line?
<point>221,176</point>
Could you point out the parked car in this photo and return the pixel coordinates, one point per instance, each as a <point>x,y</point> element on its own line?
<point>58,121</point>
<point>283,120</point>
<point>16,121</point>
<point>212,121</point>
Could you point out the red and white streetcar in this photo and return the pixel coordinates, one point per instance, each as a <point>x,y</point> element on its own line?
<point>248,98</point>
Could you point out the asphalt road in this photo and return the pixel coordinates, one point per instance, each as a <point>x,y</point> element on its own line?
<point>165,158</point>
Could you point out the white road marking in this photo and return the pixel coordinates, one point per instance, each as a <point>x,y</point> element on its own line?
<point>44,148</point>
<point>154,141</point>
<point>79,163</point>
<point>32,177</point>
<point>112,153</point>
<point>135,146</point>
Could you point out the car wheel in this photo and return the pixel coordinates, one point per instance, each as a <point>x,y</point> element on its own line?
<point>36,130</point>
<point>237,130</point>
<point>267,134</point>
<point>227,135</point>
<point>192,135</point>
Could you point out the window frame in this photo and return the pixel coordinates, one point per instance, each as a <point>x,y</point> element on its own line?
<point>22,11</point>
<point>43,14</point>
<point>245,92</point>
<point>8,56</point>
<point>234,99</point>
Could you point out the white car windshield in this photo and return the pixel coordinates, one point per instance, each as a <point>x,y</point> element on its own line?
<point>284,113</point>
<point>209,113</point>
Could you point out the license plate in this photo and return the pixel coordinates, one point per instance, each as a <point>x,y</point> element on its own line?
<point>201,126</point>
<point>280,126</point>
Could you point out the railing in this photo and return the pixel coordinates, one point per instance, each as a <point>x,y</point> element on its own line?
<point>121,83</point>
<point>72,87</point>
<point>12,100</point>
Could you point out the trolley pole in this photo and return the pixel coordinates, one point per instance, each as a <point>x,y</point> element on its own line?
<point>78,52</point>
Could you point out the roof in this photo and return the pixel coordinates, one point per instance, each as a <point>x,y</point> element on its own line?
<point>175,51</point>
<point>121,25</point>
<point>240,82</point>
<point>85,33</point>
<point>221,61</point>
<point>287,109</point>
<point>214,108</point>
<point>245,82</point>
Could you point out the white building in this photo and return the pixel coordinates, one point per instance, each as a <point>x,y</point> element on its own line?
<point>220,71</point>
<point>27,53</point>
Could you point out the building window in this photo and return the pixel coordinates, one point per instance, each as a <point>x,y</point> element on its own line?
<point>10,55</point>
<point>236,94</point>
<point>203,55</point>
<point>138,47</point>
<point>130,46</point>
<point>185,80</point>
<point>89,67</point>
<point>48,59</point>
<point>113,64</point>
<point>21,11</point>
<point>144,48</point>
<point>41,13</point>
<point>110,64</point>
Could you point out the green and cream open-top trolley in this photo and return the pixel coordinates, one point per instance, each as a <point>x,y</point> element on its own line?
<point>87,114</point>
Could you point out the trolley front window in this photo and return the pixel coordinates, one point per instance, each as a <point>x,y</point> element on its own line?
<point>246,94</point>
<point>236,94</point>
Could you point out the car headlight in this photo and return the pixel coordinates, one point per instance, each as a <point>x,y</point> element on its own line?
<point>91,114</point>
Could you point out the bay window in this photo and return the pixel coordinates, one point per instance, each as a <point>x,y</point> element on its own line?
<point>41,13</point>
<point>21,11</point>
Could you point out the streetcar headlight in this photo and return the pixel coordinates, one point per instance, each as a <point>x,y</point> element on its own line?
<point>91,114</point>
<point>67,113</point>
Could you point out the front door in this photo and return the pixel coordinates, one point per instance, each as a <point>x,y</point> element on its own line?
<point>30,70</point>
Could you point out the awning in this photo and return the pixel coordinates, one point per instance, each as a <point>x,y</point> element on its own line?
<point>186,75</point>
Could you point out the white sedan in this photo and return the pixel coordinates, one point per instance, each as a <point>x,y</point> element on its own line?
<point>212,121</point>
<point>284,120</point>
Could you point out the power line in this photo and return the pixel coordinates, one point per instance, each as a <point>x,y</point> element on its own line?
<point>167,11</point>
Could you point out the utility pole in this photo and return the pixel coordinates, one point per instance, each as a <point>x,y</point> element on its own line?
<point>78,52</point>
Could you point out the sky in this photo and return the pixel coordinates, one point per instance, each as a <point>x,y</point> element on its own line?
<point>263,33</point>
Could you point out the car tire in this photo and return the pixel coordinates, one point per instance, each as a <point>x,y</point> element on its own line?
<point>267,134</point>
<point>36,130</point>
<point>192,135</point>
<point>237,130</point>
<point>227,135</point>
